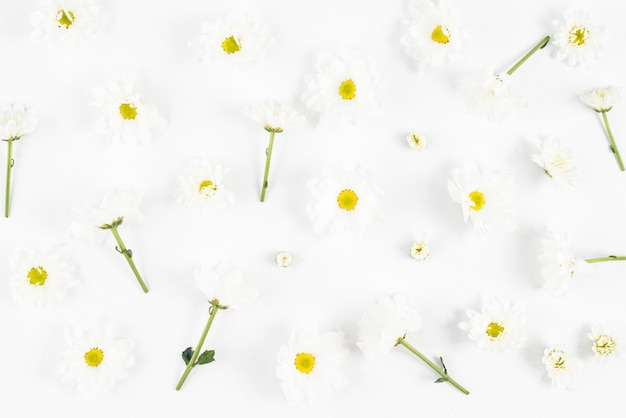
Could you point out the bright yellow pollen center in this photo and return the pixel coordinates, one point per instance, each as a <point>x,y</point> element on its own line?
<point>128,111</point>
<point>65,19</point>
<point>477,200</point>
<point>304,362</point>
<point>578,35</point>
<point>441,35</point>
<point>37,276</point>
<point>347,199</point>
<point>347,90</point>
<point>605,345</point>
<point>230,45</point>
<point>94,357</point>
<point>207,188</point>
<point>494,330</point>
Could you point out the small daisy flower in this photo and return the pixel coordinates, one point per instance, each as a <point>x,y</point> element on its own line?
<point>41,278</point>
<point>558,264</point>
<point>604,343</point>
<point>309,367</point>
<point>125,118</point>
<point>561,367</point>
<point>202,185</point>
<point>343,202</point>
<point>96,358</point>
<point>235,41</point>
<point>283,259</point>
<point>66,21</point>
<point>578,40</point>
<point>419,251</point>
<point>416,141</point>
<point>557,161</point>
<point>484,198</point>
<point>434,36</point>
<point>344,88</point>
<point>498,325</point>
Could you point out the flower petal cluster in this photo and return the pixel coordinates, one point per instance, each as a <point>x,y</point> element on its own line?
<point>274,116</point>
<point>605,343</point>
<point>224,283</point>
<point>202,184</point>
<point>601,99</point>
<point>558,162</point>
<point>16,120</point>
<point>490,96</point>
<point>66,21</point>
<point>577,39</point>
<point>558,264</point>
<point>561,366</point>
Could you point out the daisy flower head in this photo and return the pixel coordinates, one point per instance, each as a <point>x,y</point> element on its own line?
<point>601,99</point>
<point>235,41</point>
<point>557,161</point>
<point>558,264</point>
<point>419,251</point>
<point>116,207</point>
<point>490,95</point>
<point>202,185</point>
<point>274,116</point>
<point>66,21</point>
<point>434,36</point>
<point>16,120</point>
<point>124,117</point>
<point>283,259</point>
<point>310,366</point>
<point>344,88</point>
<point>577,39</point>
<point>41,278</point>
<point>344,202</point>
<point>561,366</point>
<point>416,141</point>
<point>96,359</point>
<point>223,285</point>
<point>605,344</point>
<point>484,197</point>
<point>498,326</point>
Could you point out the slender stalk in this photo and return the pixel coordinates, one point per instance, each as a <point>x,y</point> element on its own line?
<point>128,255</point>
<point>536,48</point>
<point>613,145</point>
<point>268,157</point>
<point>192,362</point>
<point>442,373</point>
<point>609,258</point>
<point>7,190</point>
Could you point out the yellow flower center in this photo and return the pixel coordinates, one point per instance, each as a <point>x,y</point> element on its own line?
<point>94,357</point>
<point>578,35</point>
<point>230,45</point>
<point>65,19</point>
<point>494,330</point>
<point>128,111</point>
<point>441,35</point>
<point>207,188</point>
<point>347,89</point>
<point>556,359</point>
<point>477,200</point>
<point>604,345</point>
<point>347,199</point>
<point>37,276</point>
<point>304,362</point>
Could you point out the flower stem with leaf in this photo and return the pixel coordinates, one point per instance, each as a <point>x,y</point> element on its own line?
<point>612,140</point>
<point>268,158</point>
<point>7,190</point>
<point>609,258</point>
<point>536,48</point>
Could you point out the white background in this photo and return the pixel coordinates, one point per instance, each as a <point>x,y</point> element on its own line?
<point>331,281</point>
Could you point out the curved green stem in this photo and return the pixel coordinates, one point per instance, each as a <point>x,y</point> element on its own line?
<point>7,190</point>
<point>613,145</point>
<point>536,48</point>
<point>609,258</point>
<point>128,255</point>
<point>268,157</point>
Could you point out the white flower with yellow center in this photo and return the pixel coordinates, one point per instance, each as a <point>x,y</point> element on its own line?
<point>344,88</point>
<point>236,41</point>
<point>433,36</point>
<point>416,141</point>
<point>125,118</point>
<point>490,95</point>
<point>484,198</point>
<point>601,99</point>
<point>224,284</point>
<point>561,367</point>
<point>498,325</point>
<point>577,39</point>
<point>419,251</point>
<point>41,278</point>
<point>96,359</point>
<point>557,161</point>
<point>283,259</point>
<point>202,185</point>
<point>558,264</point>
<point>604,343</point>
<point>310,366</point>
<point>66,21</point>
<point>344,202</point>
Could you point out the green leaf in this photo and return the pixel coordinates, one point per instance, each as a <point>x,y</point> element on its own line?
<point>206,357</point>
<point>441,379</point>
<point>187,355</point>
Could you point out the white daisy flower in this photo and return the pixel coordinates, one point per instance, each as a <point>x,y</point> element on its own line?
<point>41,278</point>
<point>419,251</point>
<point>344,88</point>
<point>343,202</point>
<point>274,116</point>
<point>557,161</point>
<point>558,264</point>
<point>484,197</point>
<point>66,21</point>
<point>601,99</point>
<point>498,325</point>
<point>125,118</point>
<point>605,344</point>
<point>416,141</point>
<point>490,95</point>
<point>561,367</point>
<point>16,120</point>
<point>283,259</point>
<point>96,358</point>
<point>577,39</point>
<point>224,284</point>
<point>236,41</point>
<point>434,36</point>
<point>309,367</point>
<point>202,185</point>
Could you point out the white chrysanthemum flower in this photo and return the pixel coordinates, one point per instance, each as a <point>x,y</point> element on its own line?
<point>384,322</point>
<point>558,264</point>
<point>66,21</point>
<point>416,141</point>
<point>274,116</point>
<point>309,367</point>
<point>419,251</point>
<point>96,359</point>
<point>41,278</point>
<point>344,88</point>
<point>235,41</point>
<point>484,197</point>
<point>601,99</point>
<point>283,259</point>
<point>202,185</point>
<point>16,120</point>
<point>125,118</point>
<point>498,325</point>
<point>577,40</point>
<point>561,367</point>
<point>225,284</point>
<point>434,36</point>
<point>557,161</point>
<point>344,202</point>
<point>605,343</point>
<point>490,95</point>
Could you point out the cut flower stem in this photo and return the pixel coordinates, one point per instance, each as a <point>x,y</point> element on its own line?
<point>613,144</point>
<point>536,48</point>
<point>609,258</point>
<point>7,190</point>
<point>128,255</point>
<point>268,158</point>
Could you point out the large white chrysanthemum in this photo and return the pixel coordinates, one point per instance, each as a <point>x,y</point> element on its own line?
<point>489,95</point>
<point>224,284</point>
<point>561,366</point>
<point>558,264</point>
<point>16,120</point>
<point>202,185</point>
<point>557,161</point>
<point>66,21</point>
<point>577,40</point>
<point>498,325</point>
<point>601,99</point>
<point>274,116</point>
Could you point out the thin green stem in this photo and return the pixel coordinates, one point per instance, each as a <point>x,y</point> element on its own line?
<point>128,255</point>
<point>536,48</point>
<point>442,373</point>
<point>613,145</point>
<point>192,362</point>
<point>7,190</point>
<point>268,157</point>
<point>609,258</point>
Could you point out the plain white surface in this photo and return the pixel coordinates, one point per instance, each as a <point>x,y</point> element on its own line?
<point>331,280</point>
